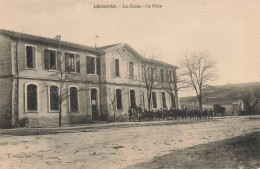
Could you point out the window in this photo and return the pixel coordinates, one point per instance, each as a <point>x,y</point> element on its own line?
<point>119,99</point>
<point>74,106</point>
<point>31,96</point>
<point>132,99</point>
<point>173,101</point>
<point>162,75</point>
<point>152,72</point>
<point>170,75</point>
<point>91,65</point>
<point>163,100</point>
<point>117,67</point>
<point>54,98</point>
<point>30,57</point>
<point>154,99</point>
<point>143,72</point>
<point>72,62</point>
<point>50,57</point>
<point>131,69</point>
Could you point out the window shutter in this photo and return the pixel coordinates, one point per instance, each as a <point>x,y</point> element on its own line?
<point>47,59</point>
<point>67,69</point>
<point>98,66</point>
<point>34,57</point>
<point>78,63</point>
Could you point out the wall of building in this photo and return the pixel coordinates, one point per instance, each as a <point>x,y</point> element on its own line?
<point>5,102</point>
<point>45,117</point>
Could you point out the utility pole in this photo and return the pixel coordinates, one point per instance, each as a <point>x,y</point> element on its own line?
<point>58,38</point>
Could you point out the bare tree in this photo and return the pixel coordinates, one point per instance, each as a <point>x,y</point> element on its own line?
<point>150,77</point>
<point>197,70</point>
<point>62,75</point>
<point>112,99</point>
<point>173,84</point>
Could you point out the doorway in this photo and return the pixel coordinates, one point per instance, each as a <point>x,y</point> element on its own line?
<point>94,104</point>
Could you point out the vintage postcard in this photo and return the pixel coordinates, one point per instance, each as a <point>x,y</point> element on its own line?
<point>136,84</point>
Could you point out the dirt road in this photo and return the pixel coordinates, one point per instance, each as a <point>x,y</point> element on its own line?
<point>115,147</point>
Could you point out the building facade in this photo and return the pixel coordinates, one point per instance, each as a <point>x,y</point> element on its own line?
<point>41,76</point>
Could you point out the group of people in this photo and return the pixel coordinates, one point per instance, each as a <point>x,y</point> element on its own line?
<point>166,114</point>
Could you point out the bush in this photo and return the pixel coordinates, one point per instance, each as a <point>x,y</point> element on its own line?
<point>218,109</point>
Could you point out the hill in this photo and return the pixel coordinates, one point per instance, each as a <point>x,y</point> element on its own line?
<point>223,94</point>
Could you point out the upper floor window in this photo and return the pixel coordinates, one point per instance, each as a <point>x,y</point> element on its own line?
<point>117,67</point>
<point>91,65</point>
<point>131,69</point>
<point>119,104</point>
<point>31,97</point>
<point>50,57</point>
<point>170,75</point>
<point>74,102</point>
<point>30,56</point>
<point>54,98</point>
<point>162,75</point>
<point>72,62</point>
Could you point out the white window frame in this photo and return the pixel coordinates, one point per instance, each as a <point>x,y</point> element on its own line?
<point>129,97</point>
<point>38,97</point>
<point>131,77</point>
<point>91,99</point>
<point>70,86</point>
<point>49,98</point>
<point>53,70</point>
<point>156,100</point>
<point>25,54</point>
<point>114,65</point>
<point>75,64</point>
<point>121,99</point>
<point>95,64</point>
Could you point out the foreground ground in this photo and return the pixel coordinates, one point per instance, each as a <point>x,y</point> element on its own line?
<point>237,152</point>
<point>116,146</point>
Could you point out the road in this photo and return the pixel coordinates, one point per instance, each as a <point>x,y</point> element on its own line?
<point>116,147</point>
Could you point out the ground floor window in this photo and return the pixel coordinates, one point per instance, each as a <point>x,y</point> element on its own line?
<point>154,99</point>
<point>74,106</point>
<point>132,99</point>
<point>31,96</point>
<point>54,98</point>
<point>164,100</point>
<point>173,101</point>
<point>119,99</point>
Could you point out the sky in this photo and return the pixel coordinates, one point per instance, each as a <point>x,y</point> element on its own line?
<point>229,30</point>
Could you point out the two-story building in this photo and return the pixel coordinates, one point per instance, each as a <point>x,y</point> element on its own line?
<point>40,76</point>
<point>128,83</point>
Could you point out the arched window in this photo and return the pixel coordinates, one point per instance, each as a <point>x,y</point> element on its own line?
<point>74,102</point>
<point>31,97</point>
<point>119,104</point>
<point>163,100</point>
<point>154,98</point>
<point>132,99</point>
<point>54,98</point>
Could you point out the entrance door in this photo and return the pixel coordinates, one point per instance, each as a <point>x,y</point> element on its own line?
<point>94,104</point>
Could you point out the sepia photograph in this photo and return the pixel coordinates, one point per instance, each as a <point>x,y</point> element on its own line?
<point>129,84</point>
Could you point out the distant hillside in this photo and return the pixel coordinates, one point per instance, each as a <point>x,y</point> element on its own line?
<point>224,94</point>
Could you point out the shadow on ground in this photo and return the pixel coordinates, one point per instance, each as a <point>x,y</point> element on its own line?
<point>238,152</point>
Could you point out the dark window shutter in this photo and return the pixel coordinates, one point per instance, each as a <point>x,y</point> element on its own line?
<point>78,63</point>
<point>98,66</point>
<point>47,59</point>
<point>67,68</point>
